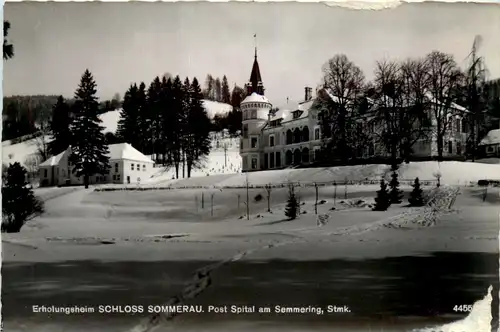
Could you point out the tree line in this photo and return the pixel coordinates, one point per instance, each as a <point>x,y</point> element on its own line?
<point>167,120</point>
<point>406,102</point>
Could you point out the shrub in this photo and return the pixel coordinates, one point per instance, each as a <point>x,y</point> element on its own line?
<point>292,205</point>
<point>18,200</point>
<point>396,195</point>
<point>416,195</point>
<point>383,200</point>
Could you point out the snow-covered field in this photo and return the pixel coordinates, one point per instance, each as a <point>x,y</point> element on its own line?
<point>452,173</point>
<point>181,225</point>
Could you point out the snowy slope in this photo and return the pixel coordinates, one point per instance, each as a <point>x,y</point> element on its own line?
<point>213,107</point>
<point>217,161</point>
<point>453,173</point>
<point>110,119</point>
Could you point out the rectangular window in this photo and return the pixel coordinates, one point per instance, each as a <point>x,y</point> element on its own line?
<point>457,127</point>
<point>316,133</point>
<point>450,147</point>
<point>132,167</point>
<point>459,147</point>
<point>266,160</point>
<point>271,140</point>
<point>144,168</point>
<point>278,159</point>
<point>253,143</point>
<point>271,160</point>
<point>254,163</point>
<point>245,131</point>
<point>116,167</point>
<point>118,177</point>
<point>254,114</point>
<point>45,173</point>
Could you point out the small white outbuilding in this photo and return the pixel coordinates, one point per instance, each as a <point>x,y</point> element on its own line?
<point>128,165</point>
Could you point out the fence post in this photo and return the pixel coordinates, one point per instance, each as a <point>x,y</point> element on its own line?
<point>316,204</point>
<point>345,189</point>
<point>202,200</point>
<point>212,204</point>
<point>335,192</point>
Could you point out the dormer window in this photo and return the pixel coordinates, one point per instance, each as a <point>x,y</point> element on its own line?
<point>296,114</point>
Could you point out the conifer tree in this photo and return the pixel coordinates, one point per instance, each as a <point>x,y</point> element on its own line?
<point>226,94</point>
<point>395,193</point>
<point>292,204</point>
<point>177,117</point>
<point>60,127</point>
<point>128,124</point>
<point>154,113</point>
<point>383,199</point>
<point>169,119</point>
<point>89,152</point>
<point>218,90</point>
<point>142,121</point>
<point>198,129</point>
<point>209,91</point>
<point>18,199</point>
<point>416,195</point>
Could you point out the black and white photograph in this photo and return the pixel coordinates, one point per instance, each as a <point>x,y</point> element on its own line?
<point>250,166</point>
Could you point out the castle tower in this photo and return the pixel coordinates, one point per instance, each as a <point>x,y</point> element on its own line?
<point>255,110</point>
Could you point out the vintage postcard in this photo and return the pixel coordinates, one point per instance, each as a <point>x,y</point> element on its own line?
<point>250,167</point>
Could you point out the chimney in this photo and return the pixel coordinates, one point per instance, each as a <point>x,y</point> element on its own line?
<point>308,94</point>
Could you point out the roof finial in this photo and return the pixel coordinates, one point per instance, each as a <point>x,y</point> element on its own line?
<point>255,41</point>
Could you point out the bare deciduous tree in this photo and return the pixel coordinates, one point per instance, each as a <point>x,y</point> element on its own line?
<point>444,81</point>
<point>42,143</point>
<point>344,82</point>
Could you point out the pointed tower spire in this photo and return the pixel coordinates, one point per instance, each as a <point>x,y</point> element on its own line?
<point>255,84</point>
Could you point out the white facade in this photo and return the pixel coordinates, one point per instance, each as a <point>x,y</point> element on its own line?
<point>128,165</point>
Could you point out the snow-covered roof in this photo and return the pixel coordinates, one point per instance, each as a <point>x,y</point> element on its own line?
<point>493,137</point>
<point>255,98</point>
<point>116,152</point>
<point>126,151</point>
<point>282,114</point>
<point>52,161</point>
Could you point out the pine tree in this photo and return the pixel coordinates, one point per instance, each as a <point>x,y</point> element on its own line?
<point>209,88</point>
<point>154,113</point>
<point>128,124</point>
<point>383,199</point>
<point>177,118</point>
<point>142,120</point>
<point>416,195</point>
<point>187,135</point>
<point>395,193</point>
<point>169,119</point>
<point>198,129</point>
<point>59,127</point>
<point>292,204</point>
<point>218,90</point>
<point>226,94</point>
<point>237,96</point>
<point>18,199</point>
<point>89,152</point>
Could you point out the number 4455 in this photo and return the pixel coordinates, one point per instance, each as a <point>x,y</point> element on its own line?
<point>463,308</point>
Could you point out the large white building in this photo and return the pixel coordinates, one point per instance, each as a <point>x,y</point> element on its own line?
<point>273,140</point>
<point>128,165</point>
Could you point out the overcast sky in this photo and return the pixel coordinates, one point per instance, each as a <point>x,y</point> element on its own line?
<point>131,42</point>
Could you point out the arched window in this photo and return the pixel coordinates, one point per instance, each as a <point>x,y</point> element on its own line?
<point>305,134</point>
<point>305,155</point>
<point>289,137</point>
<point>288,157</point>
<point>297,157</point>
<point>297,133</point>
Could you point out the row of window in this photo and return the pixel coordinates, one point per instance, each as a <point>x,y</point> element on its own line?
<point>253,105</point>
<point>249,114</point>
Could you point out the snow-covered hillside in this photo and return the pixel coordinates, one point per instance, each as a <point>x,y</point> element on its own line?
<point>214,107</point>
<point>452,173</point>
<point>110,119</point>
<point>217,162</point>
